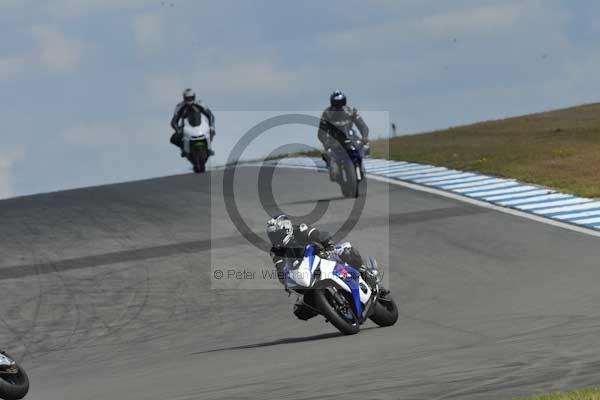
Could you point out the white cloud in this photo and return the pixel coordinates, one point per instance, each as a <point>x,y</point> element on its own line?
<point>55,50</point>
<point>65,9</point>
<point>479,20</point>
<point>260,75</point>
<point>79,7</point>
<point>416,57</point>
<point>470,22</point>
<point>100,133</point>
<point>218,76</point>
<point>400,58</point>
<point>148,29</point>
<point>122,150</point>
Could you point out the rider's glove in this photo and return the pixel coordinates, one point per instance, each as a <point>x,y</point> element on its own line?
<point>367,148</point>
<point>329,245</point>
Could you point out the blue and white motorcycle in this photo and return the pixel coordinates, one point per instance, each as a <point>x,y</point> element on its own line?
<point>345,162</point>
<point>334,289</point>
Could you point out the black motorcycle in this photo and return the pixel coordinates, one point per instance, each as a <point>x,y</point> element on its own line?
<point>344,159</point>
<point>14,383</point>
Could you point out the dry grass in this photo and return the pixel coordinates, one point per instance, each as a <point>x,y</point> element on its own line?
<point>560,149</point>
<point>585,394</point>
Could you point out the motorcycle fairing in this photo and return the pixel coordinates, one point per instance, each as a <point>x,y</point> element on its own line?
<point>193,134</point>
<point>345,277</point>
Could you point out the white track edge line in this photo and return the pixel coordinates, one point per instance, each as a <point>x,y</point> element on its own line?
<point>485,204</point>
<point>464,199</point>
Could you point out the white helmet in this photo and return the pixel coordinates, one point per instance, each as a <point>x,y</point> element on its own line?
<point>280,230</point>
<point>189,96</point>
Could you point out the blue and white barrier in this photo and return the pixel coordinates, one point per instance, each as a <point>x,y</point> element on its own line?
<point>499,191</point>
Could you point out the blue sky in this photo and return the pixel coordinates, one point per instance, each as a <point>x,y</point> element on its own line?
<point>87,88</point>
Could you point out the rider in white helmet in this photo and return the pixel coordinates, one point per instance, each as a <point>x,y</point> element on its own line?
<point>289,242</point>
<point>190,108</point>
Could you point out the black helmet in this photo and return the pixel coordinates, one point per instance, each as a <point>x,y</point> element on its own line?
<point>189,96</point>
<point>337,99</point>
<point>280,230</point>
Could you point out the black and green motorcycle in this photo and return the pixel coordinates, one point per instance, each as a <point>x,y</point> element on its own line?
<point>196,143</point>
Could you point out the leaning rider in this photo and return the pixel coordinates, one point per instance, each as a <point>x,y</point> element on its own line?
<point>289,242</point>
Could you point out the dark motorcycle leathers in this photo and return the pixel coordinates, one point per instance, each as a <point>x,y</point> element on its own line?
<point>292,254</point>
<point>337,122</point>
<point>193,113</point>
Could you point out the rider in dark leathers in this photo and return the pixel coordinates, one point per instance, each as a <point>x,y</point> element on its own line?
<point>289,243</point>
<point>336,122</point>
<point>191,109</point>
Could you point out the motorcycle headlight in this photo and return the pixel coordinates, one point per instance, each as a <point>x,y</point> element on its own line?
<point>5,361</point>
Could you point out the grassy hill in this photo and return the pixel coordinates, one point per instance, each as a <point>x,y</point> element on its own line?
<point>585,394</point>
<point>560,149</point>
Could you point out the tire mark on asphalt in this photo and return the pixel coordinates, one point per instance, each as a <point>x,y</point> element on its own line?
<point>124,318</point>
<point>197,246</point>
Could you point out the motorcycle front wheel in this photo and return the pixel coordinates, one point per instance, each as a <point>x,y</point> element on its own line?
<point>14,382</point>
<point>337,309</point>
<point>199,158</point>
<point>348,180</point>
<point>386,312</point>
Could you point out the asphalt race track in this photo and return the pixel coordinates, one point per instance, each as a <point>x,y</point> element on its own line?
<point>108,294</point>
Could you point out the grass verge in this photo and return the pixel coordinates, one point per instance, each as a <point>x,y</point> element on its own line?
<point>584,394</point>
<point>559,149</point>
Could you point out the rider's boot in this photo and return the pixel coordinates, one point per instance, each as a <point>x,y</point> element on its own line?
<point>303,312</point>
<point>304,309</point>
